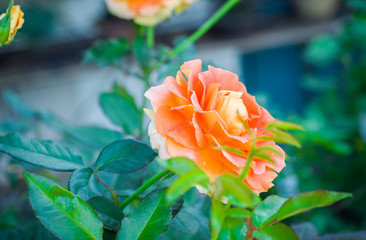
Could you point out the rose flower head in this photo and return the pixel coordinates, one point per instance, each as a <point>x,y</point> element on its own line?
<point>146,12</point>
<point>10,23</point>
<point>199,118</point>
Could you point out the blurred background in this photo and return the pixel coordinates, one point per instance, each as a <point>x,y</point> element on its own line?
<point>303,60</point>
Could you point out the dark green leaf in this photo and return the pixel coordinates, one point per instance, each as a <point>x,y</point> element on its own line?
<point>177,206</point>
<point>185,223</point>
<point>108,52</point>
<point>83,183</point>
<point>279,231</point>
<point>17,105</point>
<point>93,136</point>
<point>235,190</point>
<point>149,220</point>
<point>109,235</point>
<point>120,111</point>
<point>110,214</point>
<point>42,153</point>
<point>125,156</point>
<point>75,218</point>
<point>267,209</point>
<point>233,229</point>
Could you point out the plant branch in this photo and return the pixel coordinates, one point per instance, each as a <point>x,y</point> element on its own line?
<point>143,187</point>
<point>204,28</point>
<point>200,32</point>
<point>111,191</point>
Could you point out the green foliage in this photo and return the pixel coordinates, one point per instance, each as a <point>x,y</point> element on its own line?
<point>83,182</point>
<point>149,220</point>
<point>108,52</point>
<point>121,111</point>
<point>186,223</point>
<point>75,218</point>
<point>42,153</point>
<point>124,156</point>
<point>233,229</point>
<point>233,189</point>
<point>190,175</point>
<point>278,231</point>
<point>93,136</point>
<point>265,211</point>
<point>110,214</point>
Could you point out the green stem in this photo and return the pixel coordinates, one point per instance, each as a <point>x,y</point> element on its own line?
<point>143,187</point>
<point>204,28</point>
<point>253,148</point>
<point>150,37</point>
<point>200,32</point>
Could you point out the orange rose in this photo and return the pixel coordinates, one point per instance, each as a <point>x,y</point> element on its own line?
<point>192,119</point>
<point>146,12</point>
<point>16,22</point>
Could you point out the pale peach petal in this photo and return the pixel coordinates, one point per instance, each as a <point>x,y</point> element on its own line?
<point>173,123</point>
<point>161,96</point>
<point>175,88</point>
<point>177,150</point>
<point>260,183</point>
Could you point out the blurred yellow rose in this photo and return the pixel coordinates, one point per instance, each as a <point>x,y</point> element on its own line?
<point>147,12</point>
<point>16,22</point>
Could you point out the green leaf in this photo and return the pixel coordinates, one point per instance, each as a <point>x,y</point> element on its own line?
<point>110,214</point>
<point>186,223</point>
<point>281,137</point>
<point>236,191</point>
<point>233,229</point>
<point>177,206</point>
<point>17,105</point>
<point>267,209</point>
<point>93,136</point>
<point>306,201</point>
<point>279,231</point>
<point>121,91</point>
<point>284,125</point>
<point>108,52</point>
<point>125,156</point>
<point>141,51</point>
<point>40,152</point>
<point>189,173</point>
<point>75,218</point>
<point>83,183</point>
<point>5,25</point>
<point>120,111</point>
<point>149,220</point>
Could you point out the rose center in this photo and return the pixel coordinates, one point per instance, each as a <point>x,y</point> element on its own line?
<point>230,106</point>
